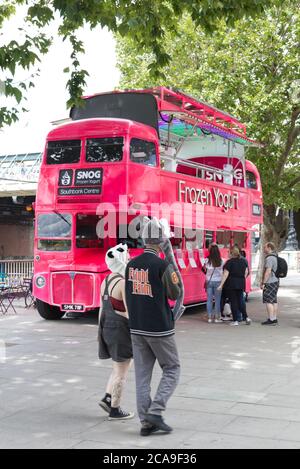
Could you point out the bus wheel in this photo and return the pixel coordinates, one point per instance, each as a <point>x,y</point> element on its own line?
<point>49,312</point>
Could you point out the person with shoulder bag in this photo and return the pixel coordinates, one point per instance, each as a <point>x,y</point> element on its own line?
<point>213,268</point>
<point>114,335</point>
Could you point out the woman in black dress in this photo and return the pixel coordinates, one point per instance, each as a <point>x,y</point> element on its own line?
<point>234,281</point>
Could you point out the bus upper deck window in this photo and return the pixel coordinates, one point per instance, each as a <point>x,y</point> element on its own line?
<point>251,180</point>
<point>63,151</point>
<point>143,152</point>
<point>104,150</point>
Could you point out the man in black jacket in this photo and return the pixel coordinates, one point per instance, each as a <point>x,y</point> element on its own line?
<point>149,282</point>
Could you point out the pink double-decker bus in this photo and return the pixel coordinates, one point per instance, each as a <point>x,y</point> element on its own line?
<point>127,154</point>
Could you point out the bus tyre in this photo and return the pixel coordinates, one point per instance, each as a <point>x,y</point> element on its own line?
<point>49,312</point>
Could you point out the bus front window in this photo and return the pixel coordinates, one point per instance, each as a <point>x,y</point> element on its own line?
<point>104,150</point>
<point>63,152</point>
<point>54,231</point>
<point>86,231</point>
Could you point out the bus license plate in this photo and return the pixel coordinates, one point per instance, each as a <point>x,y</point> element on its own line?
<point>72,307</point>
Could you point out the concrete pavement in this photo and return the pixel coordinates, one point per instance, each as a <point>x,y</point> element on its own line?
<point>239,388</point>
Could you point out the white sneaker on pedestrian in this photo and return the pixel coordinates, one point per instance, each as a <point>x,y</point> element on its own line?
<point>218,321</point>
<point>234,323</point>
<point>248,322</point>
<point>210,321</point>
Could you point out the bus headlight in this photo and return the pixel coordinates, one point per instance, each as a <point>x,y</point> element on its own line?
<point>40,281</point>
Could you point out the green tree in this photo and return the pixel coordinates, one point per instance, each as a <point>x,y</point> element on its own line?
<point>251,70</point>
<point>145,22</point>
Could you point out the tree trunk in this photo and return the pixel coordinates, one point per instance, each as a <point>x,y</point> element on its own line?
<point>275,230</point>
<point>276,226</point>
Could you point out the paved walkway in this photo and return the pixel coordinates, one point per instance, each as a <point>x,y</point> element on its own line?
<point>240,387</point>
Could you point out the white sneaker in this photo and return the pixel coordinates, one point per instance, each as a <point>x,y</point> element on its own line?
<point>218,321</point>
<point>248,322</point>
<point>234,323</point>
<point>224,319</point>
<point>210,321</point>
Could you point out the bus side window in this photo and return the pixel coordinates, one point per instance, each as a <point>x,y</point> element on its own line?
<point>251,180</point>
<point>223,239</point>
<point>176,237</point>
<point>143,152</point>
<point>193,239</point>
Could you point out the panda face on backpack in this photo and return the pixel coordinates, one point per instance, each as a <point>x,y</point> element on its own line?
<point>116,258</point>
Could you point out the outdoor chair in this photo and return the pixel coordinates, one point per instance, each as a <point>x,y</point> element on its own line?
<point>7,298</point>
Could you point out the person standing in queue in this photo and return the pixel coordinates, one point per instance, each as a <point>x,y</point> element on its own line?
<point>213,268</point>
<point>114,335</point>
<point>234,280</point>
<point>149,282</point>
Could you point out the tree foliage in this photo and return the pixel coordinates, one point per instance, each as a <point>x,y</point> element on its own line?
<point>144,22</point>
<point>251,70</point>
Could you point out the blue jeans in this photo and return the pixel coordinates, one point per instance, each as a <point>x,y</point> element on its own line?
<point>213,293</point>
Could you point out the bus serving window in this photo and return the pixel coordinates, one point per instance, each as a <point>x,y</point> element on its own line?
<point>143,152</point>
<point>239,239</point>
<point>251,180</point>
<point>104,150</point>
<point>86,231</point>
<point>223,239</point>
<point>209,237</point>
<point>63,152</point>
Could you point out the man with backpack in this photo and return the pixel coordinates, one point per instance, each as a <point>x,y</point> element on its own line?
<point>275,268</point>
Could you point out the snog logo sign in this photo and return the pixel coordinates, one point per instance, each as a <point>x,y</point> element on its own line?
<point>88,177</point>
<point>65,177</point>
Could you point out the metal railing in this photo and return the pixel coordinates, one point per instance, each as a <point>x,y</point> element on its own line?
<point>22,168</point>
<point>15,270</point>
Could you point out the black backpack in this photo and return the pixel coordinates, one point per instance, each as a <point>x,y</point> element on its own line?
<point>282,266</point>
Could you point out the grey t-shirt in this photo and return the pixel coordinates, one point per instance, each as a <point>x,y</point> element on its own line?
<point>271,263</point>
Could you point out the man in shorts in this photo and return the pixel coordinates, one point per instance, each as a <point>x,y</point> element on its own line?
<point>270,285</point>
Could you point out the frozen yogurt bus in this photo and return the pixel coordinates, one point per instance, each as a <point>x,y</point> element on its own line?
<point>131,151</point>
